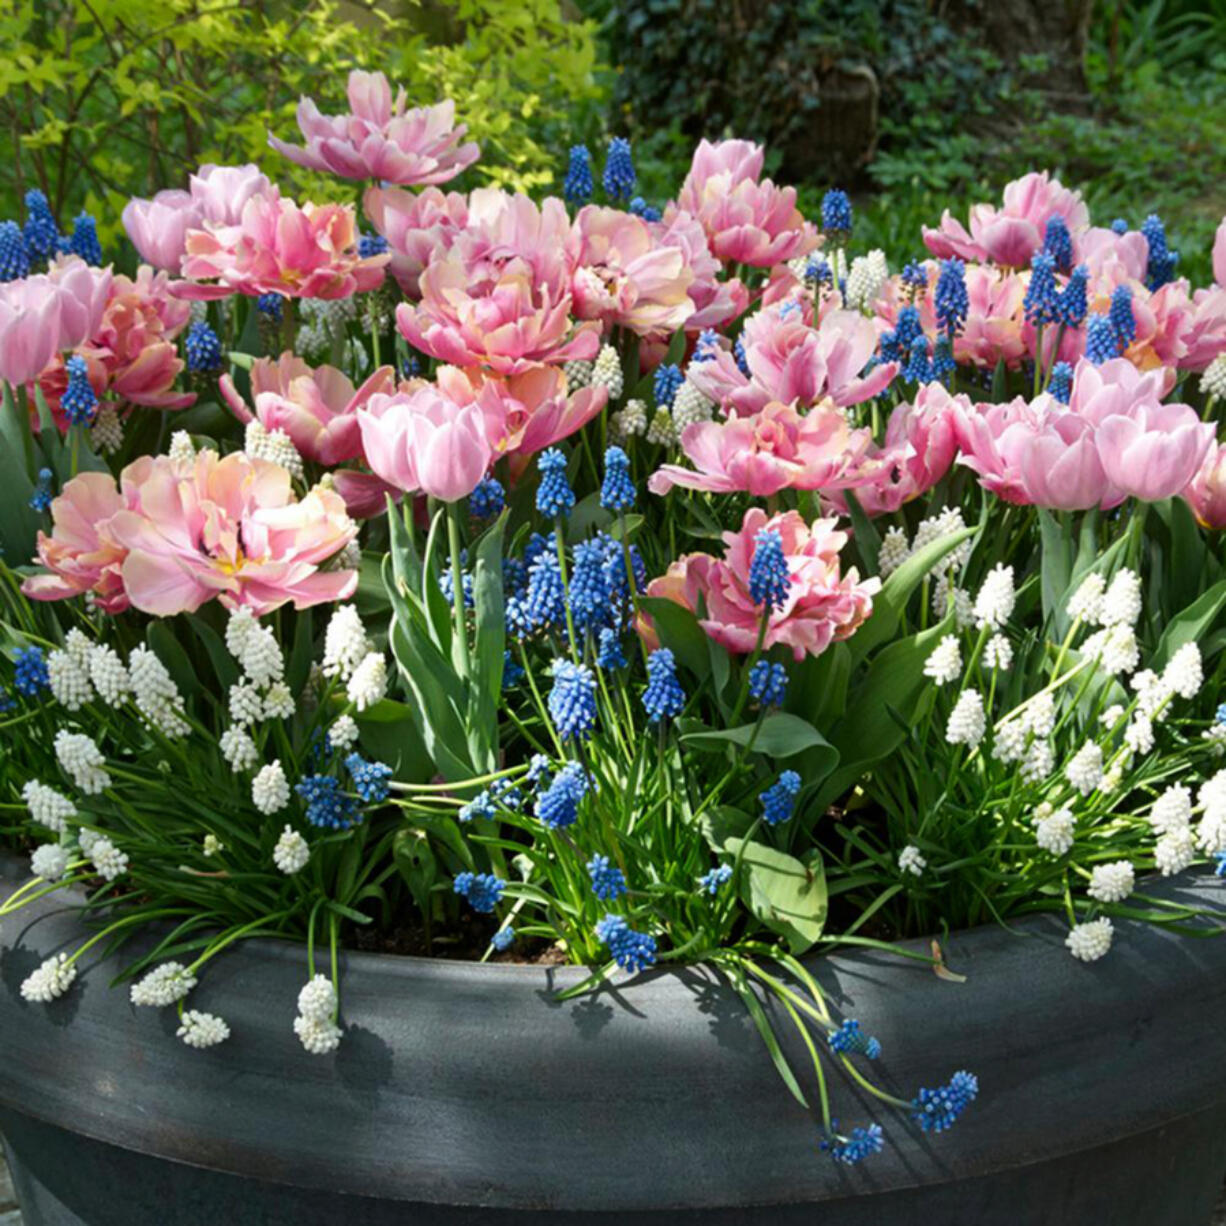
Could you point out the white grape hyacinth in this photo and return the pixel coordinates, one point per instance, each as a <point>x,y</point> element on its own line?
<point>911,860</point>
<point>944,664</point>
<point>994,604</point>
<point>47,806</point>
<point>345,643</point>
<point>82,760</point>
<point>50,980</point>
<point>201,1030</point>
<point>967,721</point>
<point>368,684</point>
<point>50,861</point>
<point>1054,834</point>
<point>162,986</point>
<point>1111,882</point>
<point>292,852</point>
<point>1090,941</point>
<point>319,1036</point>
<point>318,999</point>
<point>1085,769</point>
<point>270,788</point>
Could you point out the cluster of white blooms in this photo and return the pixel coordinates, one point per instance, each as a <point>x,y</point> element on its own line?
<point>1085,768</point>
<point>107,859</point>
<point>109,675</point>
<point>343,733</point>
<point>945,663</point>
<point>578,374</point>
<point>51,980</point>
<point>1171,819</point>
<point>212,846</point>
<point>1090,941</point>
<point>1111,882</point>
<point>369,681</point>
<point>1054,832</point>
<point>631,421</point>
<point>82,760</point>
<point>1213,381</point>
<point>894,551</point>
<point>345,643</point>
<point>50,861</point>
<point>255,647</point>
<point>275,446</point>
<point>181,450</point>
<point>865,281</point>
<point>1097,604</point>
<point>998,653</point>
<point>47,806</point>
<point>270,788</point>
<point>292,853</point>
<point>948,597</point>
<point>68,671</point>
<point>106,433</point>
<point>156,696</point>
<point>1211,831</point>
<point>1023,737</point>
<point>1114,648</point>
<point>934,528</point>
<point>324,323</point>
<point>198,1029</point>
<point>238,749</point>
<point>690,405</point>
<point>607,372</point>
<point>994,604</point>
<point>162,986</point>
<point>911,861</point>
<point>662,432</point>
<point>315,1024</point>
<point>967,721</point>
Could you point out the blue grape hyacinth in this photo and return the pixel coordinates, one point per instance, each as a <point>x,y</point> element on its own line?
<point>79,402</point>
<point>663,698</point>
<point>557,806</point>
<point>860,1144</point>
<point>769,578</point>
<point>632,951</point>
<point>572,700</point>
<point>14,258</point>
<point>779,800</point>
<point>482,890</point>
<point>608,882</point>
<point>554,497</point>
<point>577,187</point>
<point>619,177</point>
<point>836,212</point>
<point>936,1110</point>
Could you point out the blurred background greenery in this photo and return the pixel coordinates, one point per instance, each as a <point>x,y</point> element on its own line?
<point>914,105</point>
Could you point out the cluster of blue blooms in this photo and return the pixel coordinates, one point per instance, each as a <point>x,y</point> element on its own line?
<point>618,179</point>
<point>779,800</point>
<point>202,348</point>
<point>860,1144</point>
<point>849,1038</point>
<point>769,579</point>
<point>632,951</point>
<point>482,890</point>
<point>30,676</point>
<point>936,1110</point>
<point>40,500</point>
<point>768,683</point>
<point>24,248</point>
<point>79,401</point>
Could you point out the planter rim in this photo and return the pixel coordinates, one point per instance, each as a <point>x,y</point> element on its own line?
<point>455,1085</point>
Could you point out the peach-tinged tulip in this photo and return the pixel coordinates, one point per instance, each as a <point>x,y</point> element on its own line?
<point>774,449</point>
<point>823,605</point>
<point>417,226</point>
<point>317,408</point>
<point>424,441</point>
<point>716,302</point>
<point>381,140</point>
<point>80,553</point>
<point>1206,493</point>
<point>278,247</point>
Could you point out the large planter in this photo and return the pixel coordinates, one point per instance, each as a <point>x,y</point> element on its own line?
<point>467,1094</point>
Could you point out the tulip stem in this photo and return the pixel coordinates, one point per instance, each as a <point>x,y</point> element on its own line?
<point>457,588</point>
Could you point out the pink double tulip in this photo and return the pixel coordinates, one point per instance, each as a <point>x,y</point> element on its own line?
<point>317,407</point>
<point>158,228</point>
<point>716,302</point>
<point>776,448</point>
<point>29,327</point>
<point>1206,493</point>
<point>501,296</point>
<point>1011,234</point>
<point>624,276</point>
<point>379,139</point>
<point>747,220</point>
<point>823,605</point>
<point>424,441</point>
<point>278,247</point>
<point>417,226</point>
<point>921,441</point>
<point>526,412</point>
<point>80,554</point>
<point>793,362</point>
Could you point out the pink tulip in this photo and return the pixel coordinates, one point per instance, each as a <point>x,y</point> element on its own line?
<point>716,302</point>
<point>920,445</point>
<point>1011,234</point>
<point>822,606</point>
<point>158,227</point>
<point>29,327</point>
<point>80,553</point>
<point>995,327</point>
<point>365,494</point>
<point>501,296</point>
<point>1206,493</point>
<point>771,450</point>
<point>1155,450</point>
<point>417,227</point>
<point>1205,338</point>
<point>279,248</point>
<point>377,140</point>
<point>182,534</point>
<point>1219,255</point>
<point>624,276</point>
<point>84,293</point>
<point>746,221</point>
<point>1061,466</point>
<point>316,408</point>
<point>425,441</point>
<point>792,362</point>
<point>526,412</point>
<point>221,192</point>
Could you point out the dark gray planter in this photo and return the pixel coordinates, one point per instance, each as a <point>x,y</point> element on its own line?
<point>465,1094</point>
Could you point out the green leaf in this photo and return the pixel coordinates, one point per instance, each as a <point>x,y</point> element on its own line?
<point>780,736</point>
<point>864,533</point>
<point>169,650</point>
<point>489,647</point>
<point>1191,625</point>
<point>1056,538</point>
<point>723,823</point>
<point>678,629</point>
<point>788,895</point>
<point>224,664</point>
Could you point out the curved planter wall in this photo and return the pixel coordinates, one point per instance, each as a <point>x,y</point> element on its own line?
<point>465,1094</point>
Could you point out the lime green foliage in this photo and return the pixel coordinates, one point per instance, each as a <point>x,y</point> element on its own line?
<point>111,98</point>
